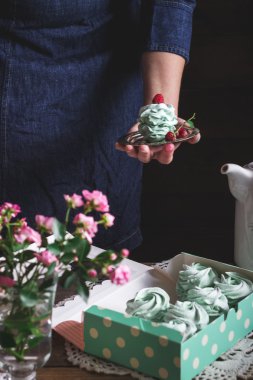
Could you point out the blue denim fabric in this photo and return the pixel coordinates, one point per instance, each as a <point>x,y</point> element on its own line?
<point>167,26</point>
<point>68,91</point>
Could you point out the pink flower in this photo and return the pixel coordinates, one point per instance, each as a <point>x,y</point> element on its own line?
<point>97,200</point>
<point>27,234</point>
<point>113,256</point>
<point>108,219</point>
<point>124,252</point>
<point>45,222</point>
<point>6,281</point>
<point>46,257</point>
<point>92,273</point>
<point>83,234</point>
<point>110,269</point>
<point>74,200</point>
<point>120,275</point>
<point>87,223</point>
<point>9,210</point>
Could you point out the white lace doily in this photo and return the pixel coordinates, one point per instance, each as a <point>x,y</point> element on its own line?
<point>235,364</point>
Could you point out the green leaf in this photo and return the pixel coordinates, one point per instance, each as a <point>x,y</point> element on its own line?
<point>82,276</point>
<point>27,255</point>
<point>78,246</point>
<point>191,124</point>
<point>28,298</point>
<point>59,230</point>
<point>33,342</point>
<point>19,322</point>
<point>105,255</point>
<point>51,268</point>
<point>70,279</point>
<point>83,292</point>
<point>47,284</point>
<point>67,258</point>
<point>55,248</point>
<point>7,340</point>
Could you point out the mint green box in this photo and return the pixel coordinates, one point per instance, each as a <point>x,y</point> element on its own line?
<point>156,350</point>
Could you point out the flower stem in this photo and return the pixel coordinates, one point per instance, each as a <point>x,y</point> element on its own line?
<point>67,216</point>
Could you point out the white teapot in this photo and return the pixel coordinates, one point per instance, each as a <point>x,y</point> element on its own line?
<point>240,180</point>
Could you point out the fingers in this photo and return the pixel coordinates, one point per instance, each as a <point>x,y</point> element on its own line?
<point>195,139</point>
<point>166,155</point>
<point>163,154</point>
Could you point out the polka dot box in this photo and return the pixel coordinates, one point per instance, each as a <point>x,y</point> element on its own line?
<point>150,348</point>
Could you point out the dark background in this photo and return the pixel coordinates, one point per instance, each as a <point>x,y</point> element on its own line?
<point>187,205</point>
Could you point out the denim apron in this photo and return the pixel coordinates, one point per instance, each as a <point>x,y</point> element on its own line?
<point>68,91</point>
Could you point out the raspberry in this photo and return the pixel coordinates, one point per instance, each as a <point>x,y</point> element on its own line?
<point>182,132</point>
<point>158,98</point>
<point>170,136</point>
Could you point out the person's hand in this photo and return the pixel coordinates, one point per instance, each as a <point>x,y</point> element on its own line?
<point>145,153</point>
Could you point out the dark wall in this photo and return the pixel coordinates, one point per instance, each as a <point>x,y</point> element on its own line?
<point>187,206</point>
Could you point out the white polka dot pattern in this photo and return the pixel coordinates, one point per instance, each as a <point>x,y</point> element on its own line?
<point>195,363</point>
<point>120,342</point>
<point>214,349</point>
<point>134,363</point>
<point>149,352</point>
<point>247,323</point>
<point>204,340</point>
<point>163,373</point>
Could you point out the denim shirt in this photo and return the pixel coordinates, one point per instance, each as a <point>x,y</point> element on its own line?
<point>167,26</point>
<point>70,86</point>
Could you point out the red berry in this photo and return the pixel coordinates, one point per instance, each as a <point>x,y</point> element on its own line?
<point>158,98</point>
<point>170,136</point>
<point>182,132</point>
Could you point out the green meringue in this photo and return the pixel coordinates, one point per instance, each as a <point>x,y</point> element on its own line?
<point>234,286</point>
<point>194,275</point>
<point>156,120</point>
<point>185,326</point>
<point>188,310</point>
<point>149,303</point>
<point>212,300</point>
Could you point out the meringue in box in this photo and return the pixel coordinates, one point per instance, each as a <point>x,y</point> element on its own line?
<point>102,327</point>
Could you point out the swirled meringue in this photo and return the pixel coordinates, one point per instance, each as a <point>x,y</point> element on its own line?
<point>156,120</point>
<point>149,303</point>
<point>234,286</point>
<point>185,326</point>
<point>194,275</point>
<point>212,300</point>
<point>188,310</point>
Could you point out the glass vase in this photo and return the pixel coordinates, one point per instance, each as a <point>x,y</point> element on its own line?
<point>25,334</point>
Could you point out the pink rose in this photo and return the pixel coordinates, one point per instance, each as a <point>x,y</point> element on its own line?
<point>46,257</point>
<point>113,256</point>
<point>27,234</point>
<point>120,275</point>
<point>83,234</point>
<point>87,223</point>
<point>92,273</point>
<point>45,222</point>
<point>74,200</point>
<point>108,219</point>
<point>6,281</point>
<point>124,252</point>
<point>97,200</point>
<point>9,210</point>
